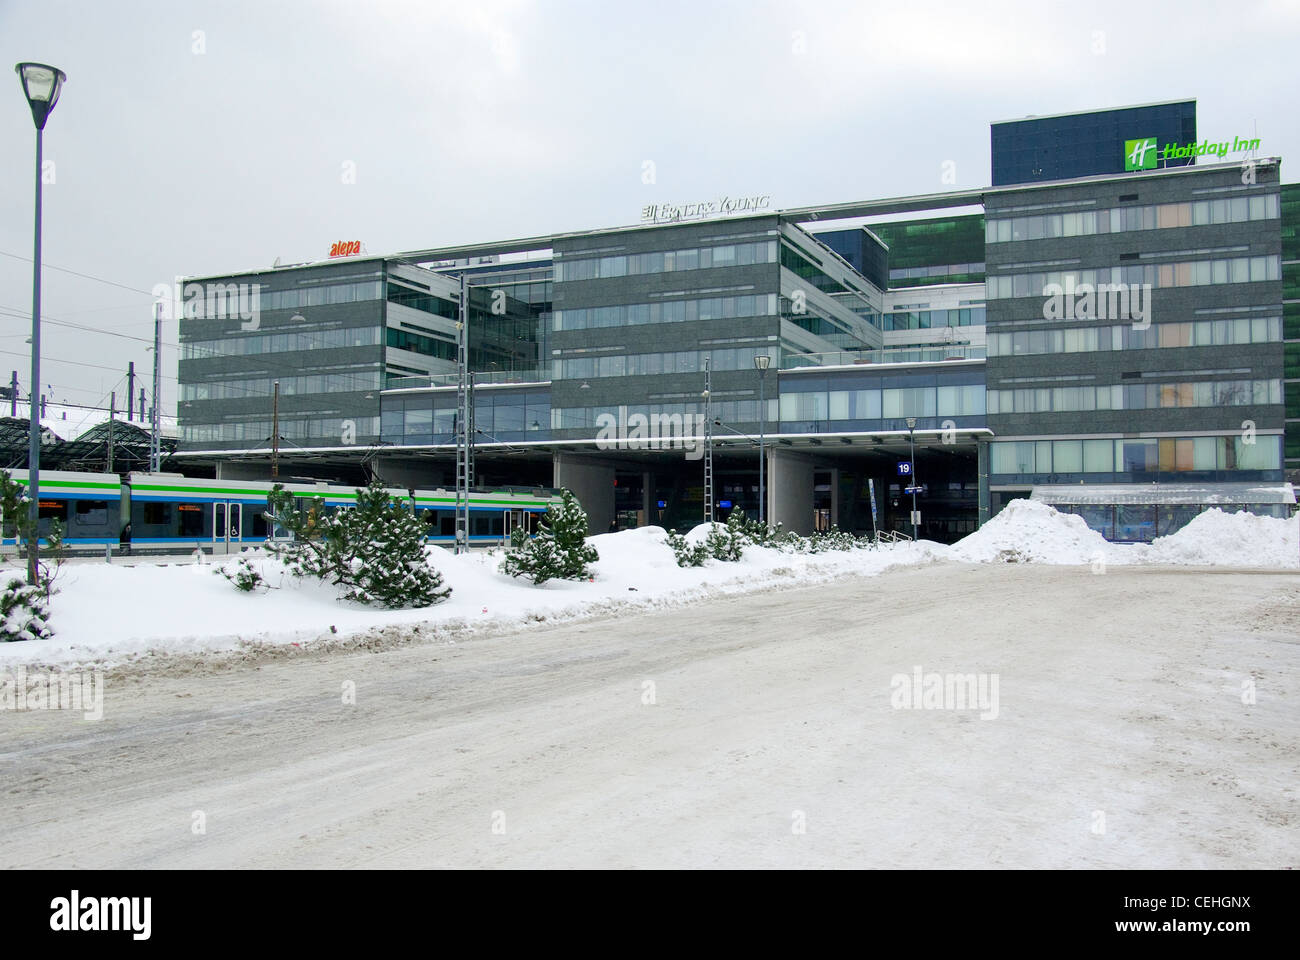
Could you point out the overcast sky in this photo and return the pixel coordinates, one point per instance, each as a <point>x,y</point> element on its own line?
<point>194,138</point>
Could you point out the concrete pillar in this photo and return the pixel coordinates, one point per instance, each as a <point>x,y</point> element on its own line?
<point>591,480</point>
<point>835,496</point>
<point>790,490</point>
<point>650,511</point>
<point>982,470</point>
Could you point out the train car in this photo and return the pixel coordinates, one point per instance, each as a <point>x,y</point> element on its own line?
<point>89,505</point>
<point>226,514</point>
<point>171,510</point>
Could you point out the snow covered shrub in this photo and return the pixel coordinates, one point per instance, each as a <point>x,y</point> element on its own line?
<point>687,554</point>
<point>375,551</point>
<point>24,612</point>
<point>243,574</point>
<point>726,542</point>
<point>559,551</point>
<point>833,539</point>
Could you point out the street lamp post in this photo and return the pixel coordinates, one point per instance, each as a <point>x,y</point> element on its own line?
<point>762,361</point>
<point>707,396</point>
<point>911,435</point>
<point>41,86</point>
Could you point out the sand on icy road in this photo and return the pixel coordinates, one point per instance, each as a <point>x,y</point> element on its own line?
<point>770,740</point>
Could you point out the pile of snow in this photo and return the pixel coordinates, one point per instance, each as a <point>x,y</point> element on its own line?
<point>108,613</point>
<point>1230,540</point>
<point>1027,531</point>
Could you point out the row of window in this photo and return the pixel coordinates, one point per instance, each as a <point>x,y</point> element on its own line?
<point>650,364</point>
<point>1118,219</point>
<point>321,296</point>
<point>490,422</point>
<point>421,343</point>
<point>731,412</point>
<point>889,404</point>
<point>1135,396</point>
<point>1187,274</point>
<point>289,386</point>
<point>665,261</point>
<point>1199,333</point>
<point>1165,454</point>
<point>330,431</point>
<point>675,311</point>
<point>929,319</point>
<point>936,270</point>
<point>242,345</point>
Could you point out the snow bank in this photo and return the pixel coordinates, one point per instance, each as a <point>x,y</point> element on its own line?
<point>1026,531</point>
<point>113,612</point>
<point>1230,540</point>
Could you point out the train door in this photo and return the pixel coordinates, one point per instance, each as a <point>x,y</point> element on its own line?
<point>512,519</point>
<point>227,525</point>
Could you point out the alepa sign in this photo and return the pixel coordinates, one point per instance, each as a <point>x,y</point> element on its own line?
<point>345,248</point>
<point>723,206</point>
<point>1144,152</point>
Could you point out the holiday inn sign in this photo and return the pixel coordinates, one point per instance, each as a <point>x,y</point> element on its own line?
<point>1142,153</point>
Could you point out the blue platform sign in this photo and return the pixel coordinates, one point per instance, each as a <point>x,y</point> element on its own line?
<point>904,468</point>
<point>724,504</point>
<point>661,504</point>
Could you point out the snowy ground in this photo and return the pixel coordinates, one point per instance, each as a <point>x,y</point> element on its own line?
<point>757,729</point>
<point>114,613</point>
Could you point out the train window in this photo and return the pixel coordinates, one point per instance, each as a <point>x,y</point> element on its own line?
<point>54,510</point>
<point>92,511</point>
<point>259,520</point>
<point>191,517</point>
<point>156,513</point>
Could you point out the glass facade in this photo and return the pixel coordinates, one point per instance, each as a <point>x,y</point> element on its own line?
<point>1192,333</point>
<point>672,311</point>
<point>1194,273</point>
<point>1120,219</point>
<point>665,261</point>
<point>1207,455</point>
<point>1084,144</point>
<point>1136,396</point>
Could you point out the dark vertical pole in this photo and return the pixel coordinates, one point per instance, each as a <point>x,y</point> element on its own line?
<point>130,391</point>
<point>275,431</point>
<point>34,437</point>
<point>112,415</point>
<point>13,395</point>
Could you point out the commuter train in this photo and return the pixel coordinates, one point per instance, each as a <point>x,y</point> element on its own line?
<point>169,510</point>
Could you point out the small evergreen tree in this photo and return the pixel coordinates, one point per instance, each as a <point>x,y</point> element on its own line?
<point>243,574</point>
<point>375,551</point>
<point>559,551</point>
<point>687,554</point>
<point>726,542</point>
<point>24,612</point>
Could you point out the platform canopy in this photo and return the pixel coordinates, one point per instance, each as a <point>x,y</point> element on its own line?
<point>1164,493</point>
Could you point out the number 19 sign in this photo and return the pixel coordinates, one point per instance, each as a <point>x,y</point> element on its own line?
<point>905,468</point>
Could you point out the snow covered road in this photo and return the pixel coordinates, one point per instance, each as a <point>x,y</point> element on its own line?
<point>752,730</point>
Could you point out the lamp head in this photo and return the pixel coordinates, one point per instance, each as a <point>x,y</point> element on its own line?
<point>41,86</point>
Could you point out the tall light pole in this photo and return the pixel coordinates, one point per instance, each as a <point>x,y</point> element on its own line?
<point>41,86</point>
<point>762,361</point>
<point>911,435</point>
<point>708,442</point>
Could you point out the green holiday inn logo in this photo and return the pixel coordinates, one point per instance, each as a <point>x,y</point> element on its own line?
<point>1142,154</point>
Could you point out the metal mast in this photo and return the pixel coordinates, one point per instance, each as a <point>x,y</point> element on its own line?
<point>155,440</point>
<point>464,400</point>
<point>708,442</point>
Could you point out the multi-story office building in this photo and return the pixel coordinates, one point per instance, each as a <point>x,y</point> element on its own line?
<point>953,330</point>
